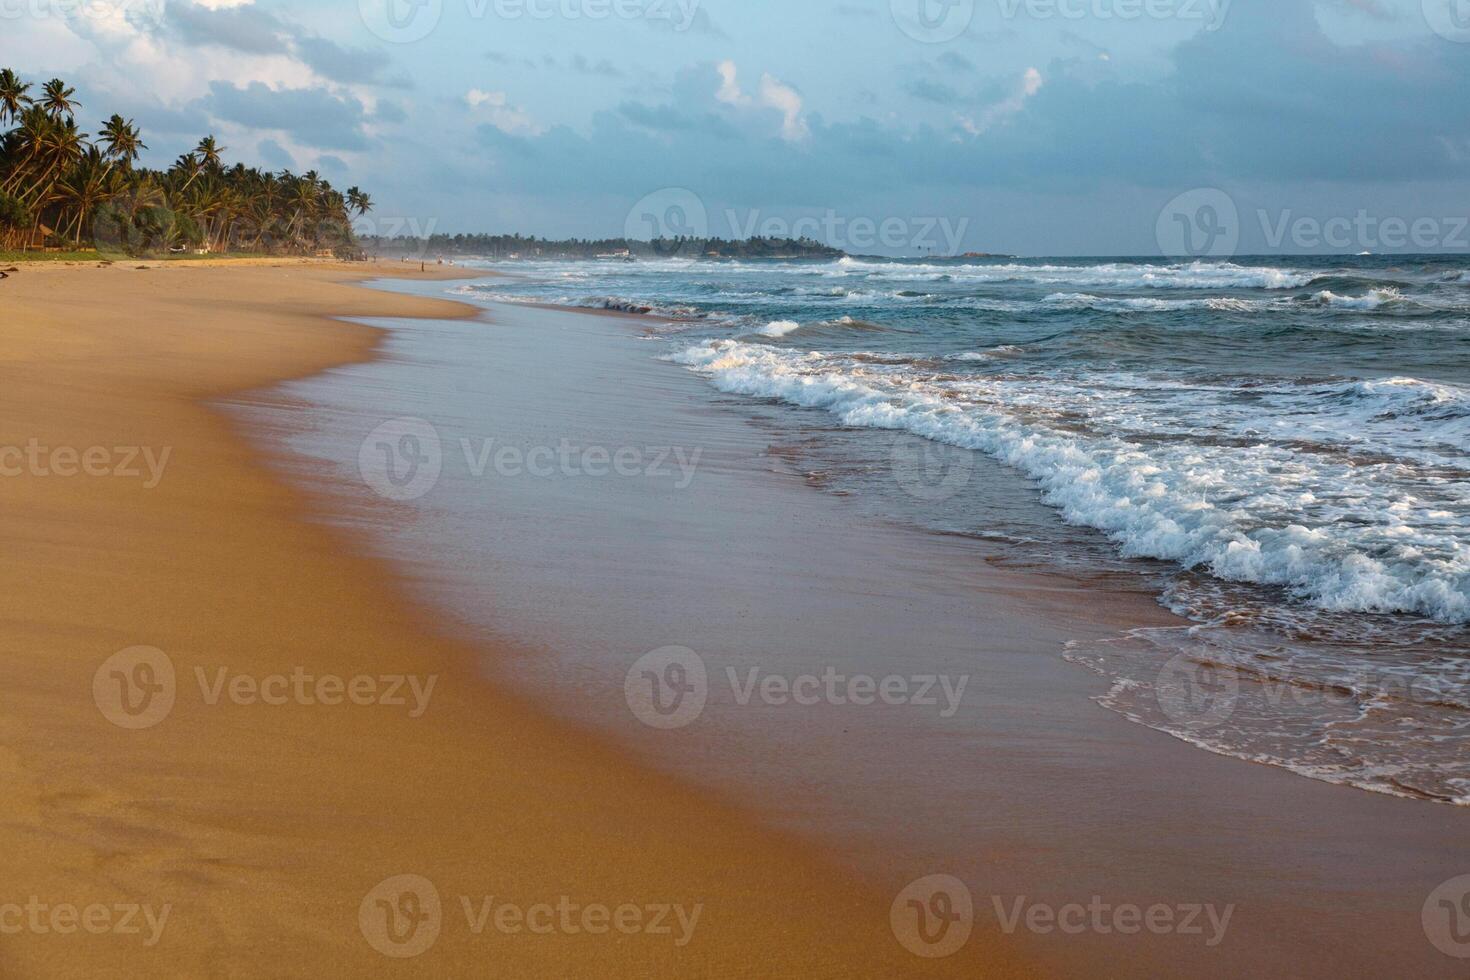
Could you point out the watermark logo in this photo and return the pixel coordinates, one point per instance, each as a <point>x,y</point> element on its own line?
<point>674,219</point>
<point>1204,920</point>
<point>667,688</point>
<point>138,687</point>
<point>401,459</point>
<point>401,917</point>
<point>933,917</point>
<point>1450,19</point>
<point>928,470</point>
<point>1211,13</point>
<point>37,460</point>
<point>933,21</point>
<point>933,234</point>
<point>41,918</point>
<point>133,11</point>
<point>401,21</point>
<point>1446,917</point>
<point>135,688</point>
<point>1196,695</point>
<point>1202,223</point>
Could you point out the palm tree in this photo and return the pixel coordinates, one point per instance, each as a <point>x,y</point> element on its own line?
<point>358,201</point>
<point>121,141</point>
<point>208,152</point>
<point>87,187</point>
<point>13,98</point>
<point>57,183</point>
<point>57,97</point>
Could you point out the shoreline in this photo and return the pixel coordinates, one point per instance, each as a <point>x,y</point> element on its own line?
<point>265,827</point>
<point>1032,791</point>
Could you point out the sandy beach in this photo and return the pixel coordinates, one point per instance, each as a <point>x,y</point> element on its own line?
<point>743,549</point>
<point>324,733</point>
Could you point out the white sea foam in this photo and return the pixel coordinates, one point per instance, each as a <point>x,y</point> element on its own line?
<point>1121,275</point>
<point>1341,532</point>
<point>1150,304</point>
<point>778,328</point>
<point>1371,301</point>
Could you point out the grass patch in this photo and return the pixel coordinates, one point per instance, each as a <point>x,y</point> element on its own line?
<point>92,255</point>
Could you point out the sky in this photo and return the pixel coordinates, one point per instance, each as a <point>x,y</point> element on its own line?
<point>1034,127</point>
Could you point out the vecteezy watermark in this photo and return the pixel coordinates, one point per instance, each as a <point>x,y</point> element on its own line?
<point>670,687</point>
<point>95,10</point>
<point>36,459</point>
<point>1210,13</point>
<point>40,918</point>
<point>1200,223</point>
<point>135,688</point>
<point>403,917</point>
<point>678,223</point>
<point>413,231</point>
<point>667,688</point>
<point>860,233</point>
<point>403,459</point>
<point>1364,231</point>
<point>1446,917</point>
<point>1206,223</point>
<point>933,21</point>
<point>673,218</point>
<point>1199,693</point>
<point>138,688</point>
<point>406,21</point>
<point>928,470</point>
<point>933,917</point>
<point>1207,921</point>
<point>1195,693</point>
<point>1450,19</point>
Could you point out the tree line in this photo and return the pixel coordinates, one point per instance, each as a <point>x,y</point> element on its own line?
<point>531,247</point>
<point>62,188</point>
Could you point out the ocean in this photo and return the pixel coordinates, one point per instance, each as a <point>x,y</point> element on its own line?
<point>1277,448</point>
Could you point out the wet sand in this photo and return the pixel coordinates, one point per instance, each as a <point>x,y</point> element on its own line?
<point>1028,792</point>
<point>265,839</point>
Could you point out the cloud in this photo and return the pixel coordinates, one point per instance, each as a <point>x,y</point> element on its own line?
<point>275,155</point>
<point>311,116</point>
<point>503,116</point>
<point>239,27</point>
<point>1003,110</point>
<point>602,67</point>
<point>346,65</point>
<point>785,100</point>
<point>774,94</point>
<point>729,90</point>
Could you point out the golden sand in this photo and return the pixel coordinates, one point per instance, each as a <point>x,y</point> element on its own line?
<point>264,828</point>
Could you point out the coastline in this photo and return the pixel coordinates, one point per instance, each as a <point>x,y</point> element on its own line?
<point>264,828</point>
<point>1031,791</point>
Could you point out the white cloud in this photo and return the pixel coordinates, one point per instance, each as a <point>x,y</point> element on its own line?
<point>497,108</point>
<point>785,99</point>
<point>475,98</point>
<point>729,91</point>
<point>993,115</point>
<point>774,94</point>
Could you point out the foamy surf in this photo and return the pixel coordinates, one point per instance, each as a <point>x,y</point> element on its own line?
<point>1330,529</point>
<point>1287,442</point>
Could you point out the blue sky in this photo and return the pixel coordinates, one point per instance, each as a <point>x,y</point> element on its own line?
<point>1026,126</point>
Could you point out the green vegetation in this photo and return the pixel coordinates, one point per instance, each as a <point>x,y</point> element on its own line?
<point>518,246</point>
<point>61,191</point>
